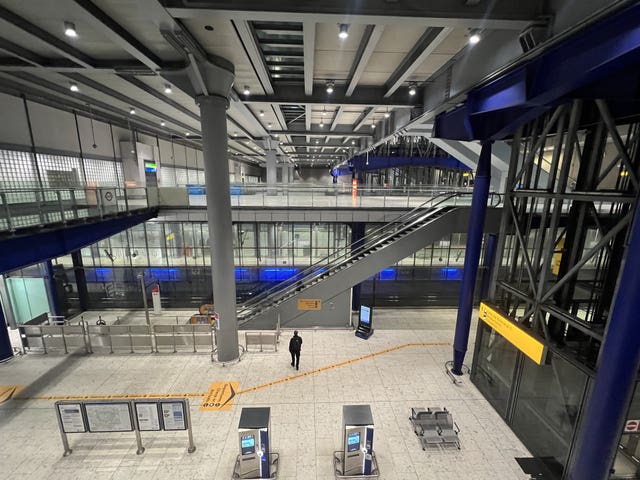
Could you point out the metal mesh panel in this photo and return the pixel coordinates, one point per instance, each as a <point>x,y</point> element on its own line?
<point>17,170</point>
<point>59,171</point>
<point>101,173</point>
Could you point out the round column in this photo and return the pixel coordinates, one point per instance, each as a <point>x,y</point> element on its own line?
<point>216,171</point>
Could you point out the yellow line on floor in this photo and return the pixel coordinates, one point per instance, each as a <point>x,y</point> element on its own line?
<point>336,365</point>
<point>131,396</point>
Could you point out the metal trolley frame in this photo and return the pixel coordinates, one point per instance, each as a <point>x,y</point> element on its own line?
<point>338,469</point>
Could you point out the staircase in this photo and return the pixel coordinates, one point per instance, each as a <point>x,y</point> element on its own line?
<point>355,263</point>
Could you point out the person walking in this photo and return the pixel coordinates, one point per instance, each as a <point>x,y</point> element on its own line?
<point>295,345</point>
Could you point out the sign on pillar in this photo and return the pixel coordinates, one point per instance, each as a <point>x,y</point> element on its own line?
<point>155,298</point>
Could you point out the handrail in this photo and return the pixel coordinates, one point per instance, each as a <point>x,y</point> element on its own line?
<point>398,224</point>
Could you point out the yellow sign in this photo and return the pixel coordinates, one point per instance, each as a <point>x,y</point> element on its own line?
<point>519,338</point>
<point>9,391</point>
<point>171,236</point>
<point>310,304</point>
<point>220,396</point>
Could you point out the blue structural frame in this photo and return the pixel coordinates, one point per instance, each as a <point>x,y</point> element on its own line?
<point>362,163</point>
<point>472,256</point>
<point>616,372</point>
<point>49,243</point>
<point>597,62</point>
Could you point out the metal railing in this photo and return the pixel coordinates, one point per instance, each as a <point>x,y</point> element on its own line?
<point>327,196</point>
<point>428,210</point>
<point>23,208</point>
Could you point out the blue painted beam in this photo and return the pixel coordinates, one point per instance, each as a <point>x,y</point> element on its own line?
<point>600,58</point>
<point>23,250</point>
<point>360,163</point>
<point>472,256</point>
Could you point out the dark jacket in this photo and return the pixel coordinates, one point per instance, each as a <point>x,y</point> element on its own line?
<point>295,344</point>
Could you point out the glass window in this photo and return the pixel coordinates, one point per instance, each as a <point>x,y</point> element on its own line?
<point>547,408</point>
<point>495,363</point>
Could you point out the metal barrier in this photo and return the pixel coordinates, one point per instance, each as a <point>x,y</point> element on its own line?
<point>116,338</point>
<point>261,339</point>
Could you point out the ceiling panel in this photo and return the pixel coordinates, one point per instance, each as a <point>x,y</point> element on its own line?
<point>333,55</point>
<point>223,41</point>
<point>455,41</point>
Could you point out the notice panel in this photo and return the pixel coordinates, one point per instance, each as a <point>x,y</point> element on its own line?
<point>310,304</point>
<point>173,415</point>
<point>71,417</point>
<point>516,335</point>
<point>109,417</point>
<point>148,417</point>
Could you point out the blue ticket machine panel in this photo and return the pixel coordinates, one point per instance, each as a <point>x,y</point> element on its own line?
<point>253,435</point>
<point>358,439</point>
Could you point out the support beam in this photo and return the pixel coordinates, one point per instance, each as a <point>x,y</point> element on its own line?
<point>366,115</point>
<point>21,53</point>
<point>368,44</point>
<point>128,100</point>
<point>248,39</point>
<point>426,44</point>
<point>472,257</point>
<point>51,41</point>
<point>119,35</point>
<point>309,39</point>
<point>336,117</point>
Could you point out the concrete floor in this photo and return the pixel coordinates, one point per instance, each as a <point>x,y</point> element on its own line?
<point>305,412</point>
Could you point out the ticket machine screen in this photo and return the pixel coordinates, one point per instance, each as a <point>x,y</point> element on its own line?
<point>365,315</point>
<point>353,442</point>
<point>248,444</point>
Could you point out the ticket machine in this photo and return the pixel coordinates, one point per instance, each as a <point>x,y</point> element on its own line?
<point>358,439</point>
<point>253,433</point>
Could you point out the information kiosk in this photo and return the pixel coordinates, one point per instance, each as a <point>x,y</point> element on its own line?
<point>364,329</point>
<point>253,433</point>
<point>357,440</point>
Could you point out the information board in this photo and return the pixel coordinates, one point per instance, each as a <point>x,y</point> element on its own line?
<point>532,347</point>
<point>147,416</point>
<point>72,418</point>
<point>173,415</point>
<point>310,304</point>
<point>109,417</point>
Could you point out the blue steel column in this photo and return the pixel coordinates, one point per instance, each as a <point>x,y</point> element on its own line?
<point>6,352</point>
<point>472,256</point>
<point>606,409</point>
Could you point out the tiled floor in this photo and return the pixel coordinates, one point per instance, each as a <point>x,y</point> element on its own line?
<point>305,413</point>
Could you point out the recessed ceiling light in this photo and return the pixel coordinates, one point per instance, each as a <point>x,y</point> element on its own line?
<point>261,113</point>
<point>74,87</point>
<point>386,114</point>
<point>132,111</point>
<point>473,39</point>
<point>246,90</point>
<point>373,126</point>
<point>412,89</point>
<point>187,134</point>
<point>70,29</point>
<point>344,31</point>
<point>167,89</point>
<point>321,124</point>
<point>163,123</point>
<point>353,142</point>
<point>268,125</point>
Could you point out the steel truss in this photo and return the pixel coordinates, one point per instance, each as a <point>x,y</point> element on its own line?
<point>571,192</point>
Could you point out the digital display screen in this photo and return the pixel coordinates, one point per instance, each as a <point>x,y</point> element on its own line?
<point>248,444</point>
<point>353,442</point>
<point>365,315</point>
<point>150,166</point>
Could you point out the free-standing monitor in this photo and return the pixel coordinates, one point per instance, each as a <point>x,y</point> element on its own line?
<point>365,316</point>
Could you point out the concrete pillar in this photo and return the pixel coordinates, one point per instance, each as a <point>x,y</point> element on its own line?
<point>214,147</point>
<point>272,172</point>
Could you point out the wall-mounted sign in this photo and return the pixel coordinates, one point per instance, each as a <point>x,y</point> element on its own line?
<point>532,347</point>
<point>310,304</point>
<point>632,426</point>
<point>173,415</point>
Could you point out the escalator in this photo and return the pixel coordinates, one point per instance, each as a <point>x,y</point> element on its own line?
<point>351,265</point>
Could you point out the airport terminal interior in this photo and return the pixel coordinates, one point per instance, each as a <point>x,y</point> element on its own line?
<point>303,240</point>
